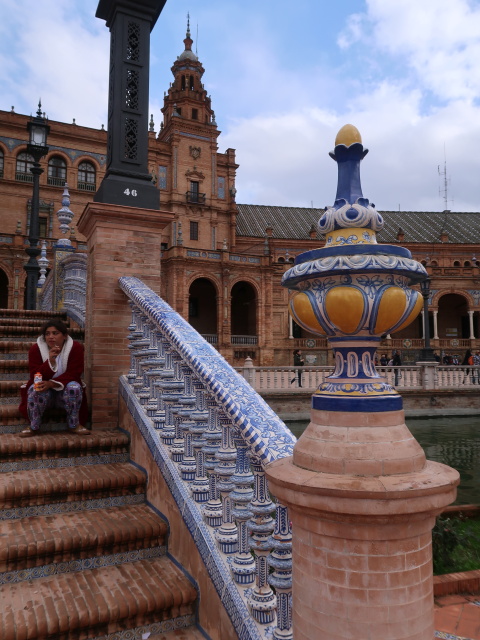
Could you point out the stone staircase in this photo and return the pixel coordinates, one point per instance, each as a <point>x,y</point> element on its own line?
<point>82,556</point>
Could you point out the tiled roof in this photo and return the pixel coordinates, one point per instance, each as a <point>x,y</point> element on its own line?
<point>418,226</point>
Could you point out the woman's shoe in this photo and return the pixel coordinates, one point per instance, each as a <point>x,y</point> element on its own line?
<point>27,433</point>
<point>81,430</point>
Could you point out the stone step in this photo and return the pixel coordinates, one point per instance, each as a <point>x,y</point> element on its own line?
<point>33,542</point>
<point>25,331</point>
<point>31,321</point>
<point>93,603</point>
<point>48,445</point>
<point>9,414</point>
<point>11,366</point>
<point>68,484</point>
<point>10,388</point>
<point>31,314</point>
<point>190,633</point>
<point>12,346</point>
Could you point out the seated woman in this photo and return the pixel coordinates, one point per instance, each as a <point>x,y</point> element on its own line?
<point>59,359</point>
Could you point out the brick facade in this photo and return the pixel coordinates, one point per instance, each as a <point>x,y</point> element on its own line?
<point>226,283</point>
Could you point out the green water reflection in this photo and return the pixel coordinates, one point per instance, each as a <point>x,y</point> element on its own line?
<point>452,440</point>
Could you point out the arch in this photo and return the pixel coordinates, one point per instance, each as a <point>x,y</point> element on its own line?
<point>452,319</point>
<point>243,316</point>
<point>434,263</point>
<point>467,263</point>
<point>281,260</point>
<point>4,282</point>
<point>202,307</point>
<point>456,263</point>
<point>57,171</point>
<point>443,292</point>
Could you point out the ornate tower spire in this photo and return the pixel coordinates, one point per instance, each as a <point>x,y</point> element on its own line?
<point>186,96</point>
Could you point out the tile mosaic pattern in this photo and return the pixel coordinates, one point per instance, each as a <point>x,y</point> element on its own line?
<point>56,463</point>
<point>448,636</point>
<point>66,507</point>
<point>11,577</point>
<point>216,566</point>
<point>157,627</point>
<point>265,434</point>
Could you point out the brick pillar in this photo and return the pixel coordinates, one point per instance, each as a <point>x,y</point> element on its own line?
<point>362,501</point>
<point>122,241</point>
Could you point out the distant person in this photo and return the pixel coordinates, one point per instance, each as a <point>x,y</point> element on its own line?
<point>384,360</point>
<point>476,367</point>
<point>298,362</point>
<point>466,361</point>
<point>397,362</point>
<point>437,357</point>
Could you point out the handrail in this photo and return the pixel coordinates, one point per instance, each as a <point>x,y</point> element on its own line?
<point>215,436</point>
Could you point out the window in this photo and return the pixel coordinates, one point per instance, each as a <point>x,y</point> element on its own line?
<point>24,164</point>
<point>42,227</point>
<point>183,83</point>
<point>191,83</point>
<point>194,114</point>
<point>194,191</point>
<point>1,164</point>
<point>86,176</point>
<point>57,172</point>
<point>193,230</point>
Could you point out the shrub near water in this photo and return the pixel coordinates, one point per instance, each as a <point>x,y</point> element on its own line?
<point>456,545</point>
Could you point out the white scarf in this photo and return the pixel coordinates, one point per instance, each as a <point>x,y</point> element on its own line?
<point>62,358</point>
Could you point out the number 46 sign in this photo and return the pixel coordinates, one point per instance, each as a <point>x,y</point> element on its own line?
<point>131,192</point>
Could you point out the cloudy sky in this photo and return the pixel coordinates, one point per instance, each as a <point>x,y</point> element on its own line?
<point>284,77</point>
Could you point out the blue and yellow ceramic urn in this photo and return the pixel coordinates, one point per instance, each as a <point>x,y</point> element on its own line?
<point>354,290</point>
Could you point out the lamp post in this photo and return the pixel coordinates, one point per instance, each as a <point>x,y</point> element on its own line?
<point>427,352</point>
<point>37,147</point>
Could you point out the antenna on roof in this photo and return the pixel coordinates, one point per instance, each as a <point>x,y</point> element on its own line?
<point>446,181</point>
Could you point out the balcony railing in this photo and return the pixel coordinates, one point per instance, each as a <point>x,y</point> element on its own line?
<point>23,177</point>
<point>211,338</point>
<point>249,340</point>
<point>87,186</point>
<point>56,182</point>
<point>194,197</point>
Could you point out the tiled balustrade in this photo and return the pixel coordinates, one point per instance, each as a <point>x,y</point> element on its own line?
<point>214,436</point>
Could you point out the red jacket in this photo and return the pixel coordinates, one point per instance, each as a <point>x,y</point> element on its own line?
<point>72,373</point>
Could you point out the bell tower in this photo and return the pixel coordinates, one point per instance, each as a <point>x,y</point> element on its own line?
<point>186,97</point>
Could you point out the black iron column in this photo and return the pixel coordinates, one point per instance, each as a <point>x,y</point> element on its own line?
<point>37,148</point>
<point>128,180</point>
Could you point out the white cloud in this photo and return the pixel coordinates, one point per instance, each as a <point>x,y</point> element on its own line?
<point>57,54</point>
<point>439,39</point>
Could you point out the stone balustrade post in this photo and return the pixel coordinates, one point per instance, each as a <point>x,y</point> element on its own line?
<point>249,372</point>
<point>428,375</point>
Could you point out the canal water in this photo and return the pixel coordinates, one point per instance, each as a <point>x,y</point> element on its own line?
<point>452,440</point>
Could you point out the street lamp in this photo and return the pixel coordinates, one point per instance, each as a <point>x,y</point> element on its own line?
<point>427,352</point>
<point>37,147</point>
